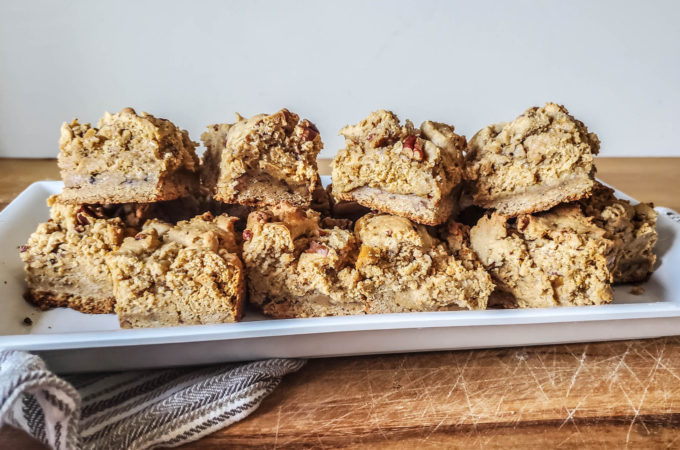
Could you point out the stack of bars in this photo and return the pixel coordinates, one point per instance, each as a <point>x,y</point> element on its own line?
<point>126,236</point>
<point>554,235</point>
<point>416,219</point>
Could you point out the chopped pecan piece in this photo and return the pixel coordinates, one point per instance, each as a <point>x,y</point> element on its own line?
<point>86,209</point>
<point>82,219</point>
<point>413,149</point>
<point>410,142</point>
<point>309,130</point>
<point>522,223</point>
<point>315,247</point>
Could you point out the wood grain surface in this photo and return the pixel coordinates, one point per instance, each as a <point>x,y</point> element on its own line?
<point>605,395</point>
<point>560,396</point>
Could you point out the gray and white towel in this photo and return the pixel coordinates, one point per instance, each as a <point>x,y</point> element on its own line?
<point>131,410</point>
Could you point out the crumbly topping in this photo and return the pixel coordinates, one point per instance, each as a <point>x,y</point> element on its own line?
<point>631,227</point>
<point>388,260</point>
<point>205,231</point>
<point>457,237</point>
<point>136,144</point>
<point>542,146</point>
<point>290,258</point>
<point>182,274</point>
<point>215,141</point>
<point>279,145</point>
<point>401,256</point>
<point>557,258</point>
<point>72,245</point>
<point>382,153</point>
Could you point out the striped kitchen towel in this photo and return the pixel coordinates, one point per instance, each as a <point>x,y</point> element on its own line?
<point>131,410</point>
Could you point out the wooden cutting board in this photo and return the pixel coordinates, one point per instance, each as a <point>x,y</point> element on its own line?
<point>605,395</point>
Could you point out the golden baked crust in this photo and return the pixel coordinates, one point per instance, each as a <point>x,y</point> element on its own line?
<point>400,169</point>
<point>127,158</point>
<point>263,160</point>
<point>300,266</point>
<point>631,227</point>
<point>344,209</point>
<point>46,300</point>
<point>184,274</point>
<point>541,159</point>
<point>64,259</point>
<point>557,258</point>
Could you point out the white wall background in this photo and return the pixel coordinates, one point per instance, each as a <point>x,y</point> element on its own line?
<point>614,64</point>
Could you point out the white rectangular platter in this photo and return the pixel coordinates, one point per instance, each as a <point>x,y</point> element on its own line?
<point>74,342</point>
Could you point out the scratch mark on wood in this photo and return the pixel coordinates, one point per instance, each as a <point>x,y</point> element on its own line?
<point>278,424</point>
<point>538,383</point>
<point>581,360</point>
